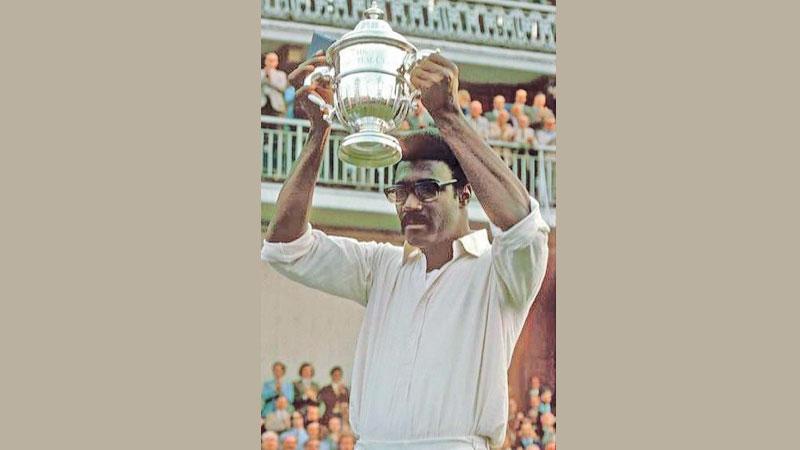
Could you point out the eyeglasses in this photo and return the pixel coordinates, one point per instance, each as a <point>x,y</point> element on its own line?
<point>424,190</point>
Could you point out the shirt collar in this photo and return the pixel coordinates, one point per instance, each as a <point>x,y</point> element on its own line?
<point>475,244</point>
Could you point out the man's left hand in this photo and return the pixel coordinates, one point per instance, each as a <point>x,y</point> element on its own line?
<point>437,79</point>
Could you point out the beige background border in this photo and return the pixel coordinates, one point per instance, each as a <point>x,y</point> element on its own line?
<point>130,293</point>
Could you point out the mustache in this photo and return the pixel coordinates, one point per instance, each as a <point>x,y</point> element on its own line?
<point>413,218</point>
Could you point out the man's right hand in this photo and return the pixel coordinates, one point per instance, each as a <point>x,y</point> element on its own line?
<point>323,90</point>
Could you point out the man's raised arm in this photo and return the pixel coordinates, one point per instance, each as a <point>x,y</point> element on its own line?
<point>501,194</point>
<point>294,200</point>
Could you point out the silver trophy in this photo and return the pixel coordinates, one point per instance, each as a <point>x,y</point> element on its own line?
<point>372,93</point>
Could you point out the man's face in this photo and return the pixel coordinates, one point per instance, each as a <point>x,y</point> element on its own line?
<point>475,109</point>
<point>271,60</point>
<point>539,100</point>
<point>547,396</point>
<point>524,121</point>
<point>278,371</point>
<point>526,430</point>
<point>499,102</point>
<point>282,403</point>
<point>311,444</point>
<point>502,117</point>
<point>313,430</point>
<point>297,420</point>
<point>306,372</point>
<point>290,443</point>
<point>336,376</point>
<point>335,425</point>
<point>347,443</point>
<point>312,413</point>
<point>521,96</point>
<point>270,442</point>
<point>426,223</point>
<point>550,124</point>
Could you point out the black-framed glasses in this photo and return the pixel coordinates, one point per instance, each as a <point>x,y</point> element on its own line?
<point>425,190</point>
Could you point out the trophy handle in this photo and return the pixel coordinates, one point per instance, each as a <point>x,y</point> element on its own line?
<point>411,60</point>
<point>322,73</point>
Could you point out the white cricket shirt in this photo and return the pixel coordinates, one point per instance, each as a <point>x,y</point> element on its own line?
<point>430,368</point>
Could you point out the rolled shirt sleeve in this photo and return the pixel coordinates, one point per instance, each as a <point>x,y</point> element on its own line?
<point>337,265</point>
<point>519,258</point>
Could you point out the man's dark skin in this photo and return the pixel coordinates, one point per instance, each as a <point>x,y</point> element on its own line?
<point>438,223</point>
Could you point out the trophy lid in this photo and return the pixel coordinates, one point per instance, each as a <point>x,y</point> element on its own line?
<point>372,28</point>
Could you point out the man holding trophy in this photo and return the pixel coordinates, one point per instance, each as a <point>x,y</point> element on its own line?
<point>444,311</point>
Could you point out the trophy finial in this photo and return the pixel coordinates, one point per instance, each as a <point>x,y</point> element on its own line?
<point>374,12</point>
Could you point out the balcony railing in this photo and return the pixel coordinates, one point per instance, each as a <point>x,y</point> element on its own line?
<point>499,23</point>
<point>284,139</point>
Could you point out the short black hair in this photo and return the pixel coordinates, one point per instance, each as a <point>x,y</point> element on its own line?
<point>428,144</point>
<point>335,368</point>
<point>303,366</point>
<point>278,363</point>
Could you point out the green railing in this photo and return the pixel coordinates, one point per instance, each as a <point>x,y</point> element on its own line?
<point>524,25</point>
<point>284,139</point>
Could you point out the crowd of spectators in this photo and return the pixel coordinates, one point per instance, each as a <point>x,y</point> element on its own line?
<point>300,415</point>
<point>532,426</point>
<point>515,122</point>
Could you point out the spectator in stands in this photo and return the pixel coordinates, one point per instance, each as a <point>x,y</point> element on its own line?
<point>297,430</point>
<point>289,443</point>
<point>547,135</point>
<point>333,395</point>
<point>524,134</point>
<point>540,110</point>
<point>420,118</point>
<point>534,402</point>
<point>501,129</point>
<point>314,431</point>
<point>273,83</point>
<point>548,428</point>
<point>464,100</point>
<point>346,442</point>
<point>476,120</point>
<point>269,441</point>
<point>306,391</point>
<point>527,436</point>
<point>520,100</point>
<point>536,384</point>
<point>546,396</point>
<point>275,388</point>
<point>312,414</point>
<point>279,420</point>
<point>499,104</point>
<point>334,431</point>
<point>312,444</point>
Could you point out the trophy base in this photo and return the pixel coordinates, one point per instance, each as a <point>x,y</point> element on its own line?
<point>370,149</point>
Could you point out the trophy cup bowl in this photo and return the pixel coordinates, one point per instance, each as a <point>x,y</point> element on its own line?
<point>372,92</point>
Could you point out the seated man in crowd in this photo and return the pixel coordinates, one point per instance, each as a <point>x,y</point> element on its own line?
<point>314,431</point>
<point>536,384</point>
<point>289,443</point>
<point>297,430</point>
<point>269,441</point>
<point>527,436</point>
<point>546,397</point>
<point>311,444</point>
<point>520,100</point>
<point>540,110</point>
<point>501,129</point>
<point>279,420</point>
<point>464,100</point>
<point>273,83</point>
<point>477,121</point>
<point>334,395</point>
<point>524,134</point>
<point>306,391</point>
<point>548,428</point>
<point>334,431</point>
<point>346,442</point>
<point>274,388</point>
<point>547,135</point>
<point>499,104</point>
<point>419,118</point>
